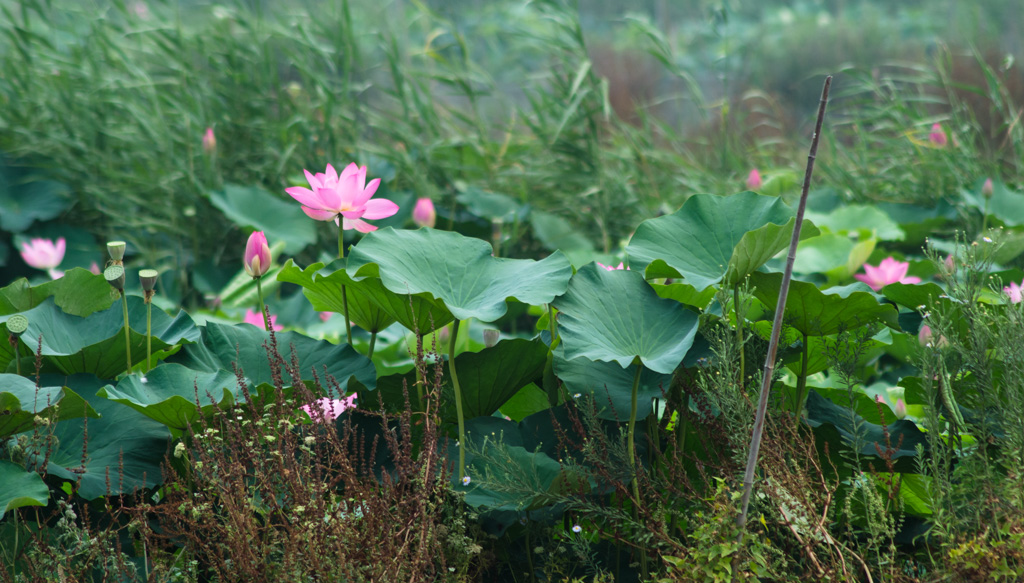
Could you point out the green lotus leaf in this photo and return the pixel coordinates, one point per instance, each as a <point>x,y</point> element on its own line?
<point>817,313</point>
<point>79,293</point>
<point>20,487</point>
<point>714,239</point>
<point>836,256</point>
<point>124,450</point>
<point>1004,205</point>
<point>492,205</point>
<point>529,400</point>
<point>917,222</point>
<point>457,270</point>
<point>96,344</point>
<point>685,294</point>
<point>21,402</point>
<point>615,316</point>
<point>279,219</point>
<point>859,219</point>
<point>488,379</point>
<point>610,385</point>
<point>24,199</point>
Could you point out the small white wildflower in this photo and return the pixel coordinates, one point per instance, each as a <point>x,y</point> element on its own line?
<point>270,438</point>
<point>465,480</point>
<point>179,450</point>
<point>309,440</point>
<point>143,380</point>
<point>576,396</point>
<point>577,528</point>
<point>986,239</point>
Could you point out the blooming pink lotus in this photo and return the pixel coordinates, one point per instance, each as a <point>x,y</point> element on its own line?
<point>44,254</point>
<point>610,268</point>
<point>329,408</point>
<point>347,195</point>
<point>888,271</point>
<point>1014,291</point>
<point>423,214</point>
<point>257,255</point>
<point>754,181</point>
<point>256,319</point>
<point>938,136</point>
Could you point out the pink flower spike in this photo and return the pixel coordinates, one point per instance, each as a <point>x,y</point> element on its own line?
<point>1014,291</point>
<point>754,181</point>
<point>257,255</point>
<point>423,214</point>
<point>346,197</point>
<point>209,141</point>
<point>254,318</point>
<point>938,136</point>
<point>44,254</point>
<point>888,271</point>
<point>327,409</point>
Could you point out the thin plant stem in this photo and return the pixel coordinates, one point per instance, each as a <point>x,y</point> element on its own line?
<point>634,483</point>
<point>801,386</point>
<point>149,334</point>
<point>263,309</point>
<point>17,356</point>
<point>739,333</point>
<point>682,425</point>
<point>127,332</point>
<point>458,400</point>
<point>419,373</point>
<point>780,308</point>
<point>344,295</point>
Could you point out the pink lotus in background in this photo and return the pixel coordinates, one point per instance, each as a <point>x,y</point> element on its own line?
<point>324,316</point>
<point>901,409</point>
<point>888,271</point>
<point>938,136</point>
<point>44,254</point>
<point>257,255</point>
<point>94,268</point>
<point>209,141</point>
<point>987,188</point>
<point>1014,291</point>
<point>754,181</point>
<point>256,319</point>
<point>610,268</point>
<point>346,195</point>
<point>329,408</point>
<point>423,214</point>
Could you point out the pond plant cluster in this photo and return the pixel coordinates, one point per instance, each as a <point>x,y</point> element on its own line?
<point>459,385</point>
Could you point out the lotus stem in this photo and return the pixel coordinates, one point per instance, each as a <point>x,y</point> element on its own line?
<point>419,361</point>
<point>373,340</point>
<point>16,326</point>
<point>458,400</point>
<point>127,332</point>
<point>780,308</point>
<point>739,334</point>
<point>17,357</point>
<point>634,483</point>
<point>149,334</point>
<point>344,295</point>
<point>263,307</point>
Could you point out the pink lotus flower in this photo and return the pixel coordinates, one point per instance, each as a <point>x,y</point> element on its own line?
<point>328,408</point>
<point>43,254</point>
<point>256,319</point>
<point>346,195</point>
<point>901,409</point>
<point>209,141</point>
<point>610,268</point>
<point>938,136</point>
<point>754,181</point>
<point>94,268</point>
<point>987,189</point>
<point>257,255</point>
<point>1014,291</point>
<point>324,316</point>
<point>888,271</point>
<point>423,214</point>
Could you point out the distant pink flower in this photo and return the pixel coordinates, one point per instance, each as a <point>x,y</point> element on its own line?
<point>901,409</point>
<point>346,195</point>
<point>257,255</point>
<point>987,189</point>
<point>879,399</point>
<point>329,408</point>
<point>324,316</point>
<point>888,271</point>
<point>1014,291</point>
<point>754,181</point>
<point>254,318</point>
<point>94,268</point>
<point>610,268</point>
<point>43,254</point>
<point>209,141</point>
<point>938,136</point>
<point>423,214</point>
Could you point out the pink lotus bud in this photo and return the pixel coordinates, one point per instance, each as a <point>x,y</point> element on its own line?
<point>754,181</point>
<point>937,136</point>
<point>901,409</point>
<point>324,316</point>
<point>950,264</point>
<point>986,189</point>
<point>443,336</point>
<point>423,214</point>
<point>257,255</point>
<point>44,254</point>
<point>926,337</point>
<point>209,141</point>
<point>94,268</point>
<point>491,337</point>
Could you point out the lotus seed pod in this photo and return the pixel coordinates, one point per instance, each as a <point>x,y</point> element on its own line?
<point>491,337</point>
<point>147,277</point>
<point>115,277</point>
<point>17,324</point>
<point>116,251</point>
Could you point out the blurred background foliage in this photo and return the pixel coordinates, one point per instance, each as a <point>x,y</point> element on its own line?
<point>596,114</point>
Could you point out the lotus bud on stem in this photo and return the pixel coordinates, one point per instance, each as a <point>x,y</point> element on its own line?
<point>116,251</point>
<point>16,326</point>
<point>256,262</point>
<point>115,277</point>
<point>147,277</point>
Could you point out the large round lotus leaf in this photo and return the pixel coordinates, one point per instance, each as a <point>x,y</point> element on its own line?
<point>817,313</point>
<point>79,293</point>
<point>370,305</point>
<point>611,386</point>
<point>837,256</point>
<point>867,221</point>
<point>124,449</point>
<point>1004,205</point>
<point>23,202</point>
<point>21,402</point>
<point>20,487</point>
<point>279,219</point>
<point>487,379</point>
<point>457,270</point>
<point>95,344</point>
<point>225,346</point>
<point>714,239</point>
<point>616,316</point>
